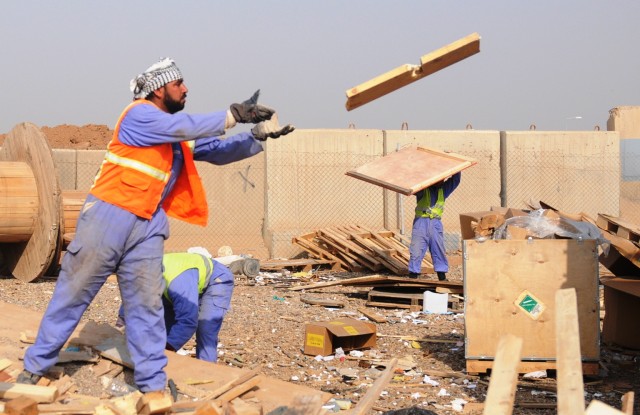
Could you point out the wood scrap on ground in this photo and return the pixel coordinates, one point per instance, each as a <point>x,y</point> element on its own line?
<point>356,248</point>
<point>378,280</point>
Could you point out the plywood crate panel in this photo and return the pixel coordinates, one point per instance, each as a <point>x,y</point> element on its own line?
<point>510,287</point>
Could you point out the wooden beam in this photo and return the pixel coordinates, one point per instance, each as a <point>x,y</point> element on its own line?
<point>373,393</point>
<point>372,315</point>
<point>504,376</point>
<point>405,74</point>
<point>21,405</point>
<point>41,394</point>
<point>569,370</point>
<point>600,408</point>
<point>627,402</point>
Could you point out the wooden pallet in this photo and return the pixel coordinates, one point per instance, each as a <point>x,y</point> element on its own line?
<point>402,297</point>
<point>619,227</point>
<point>357,248</point>
<point>478,366</point>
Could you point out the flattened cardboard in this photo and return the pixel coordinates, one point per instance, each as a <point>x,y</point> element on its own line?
<point>411,169</point>
<point>621,325</point>
<point>322,338</point>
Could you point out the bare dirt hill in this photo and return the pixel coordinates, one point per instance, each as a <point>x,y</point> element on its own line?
<point>86,137</point>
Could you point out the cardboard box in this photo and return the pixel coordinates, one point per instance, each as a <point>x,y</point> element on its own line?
<point>466,231</point>
<point>510,287</point>
<point>323,338</point>
<point>621,325</point>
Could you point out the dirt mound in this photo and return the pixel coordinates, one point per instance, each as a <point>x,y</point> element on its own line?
<point>86,137</point>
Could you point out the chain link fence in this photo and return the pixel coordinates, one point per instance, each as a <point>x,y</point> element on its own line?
<point>258,205</point>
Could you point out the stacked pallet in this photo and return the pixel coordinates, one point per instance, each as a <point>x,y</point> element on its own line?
<point>624,257</point>
<point>355,248</point>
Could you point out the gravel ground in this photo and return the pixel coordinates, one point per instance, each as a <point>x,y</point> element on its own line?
<point>265,326</point>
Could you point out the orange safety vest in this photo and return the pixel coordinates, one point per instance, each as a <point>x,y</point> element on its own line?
<point>133,178</point>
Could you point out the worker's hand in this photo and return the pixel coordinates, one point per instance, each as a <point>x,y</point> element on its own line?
<point>269,129</point>
<point>250,111</point>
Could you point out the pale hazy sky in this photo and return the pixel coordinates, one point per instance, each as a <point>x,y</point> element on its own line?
<point>541,61</point>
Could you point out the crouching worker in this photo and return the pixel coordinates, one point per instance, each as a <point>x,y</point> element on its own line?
<point>196,298</point>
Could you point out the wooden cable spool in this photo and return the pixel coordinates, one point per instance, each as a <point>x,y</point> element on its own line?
<point>30,203</point>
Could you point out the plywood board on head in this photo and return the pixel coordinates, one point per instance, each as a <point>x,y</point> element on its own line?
<point>510,288</point>
<point>405,74</point>
<point>411,169</point>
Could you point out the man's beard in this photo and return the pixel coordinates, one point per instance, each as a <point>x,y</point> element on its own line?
<point>172,105</point>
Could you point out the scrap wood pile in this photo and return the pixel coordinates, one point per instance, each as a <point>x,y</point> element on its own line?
<point>355,248</point>
<point>619,239</point>
<point>55,394</point>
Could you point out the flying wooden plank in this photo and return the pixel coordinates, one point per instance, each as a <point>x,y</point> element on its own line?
<point>405,74</point>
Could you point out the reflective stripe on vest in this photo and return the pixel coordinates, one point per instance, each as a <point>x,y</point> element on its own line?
<point>424,208</point>
<point>177,263</point>
<point>137,165</point>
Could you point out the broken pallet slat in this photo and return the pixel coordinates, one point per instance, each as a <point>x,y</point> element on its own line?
<point>41,394</point>
<point>372,315</point>
<point>312,248</point>
<point>350,259</point>
<point>341,241</point>
<point>322,301</point>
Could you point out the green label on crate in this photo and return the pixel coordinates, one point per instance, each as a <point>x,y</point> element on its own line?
<point>531,305</point>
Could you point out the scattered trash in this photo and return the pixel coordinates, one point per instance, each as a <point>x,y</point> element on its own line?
<point>116,387</point>
<point>430,381</point>
<point>344,404</point>
<point>538,374</point>
<point>458,404</point>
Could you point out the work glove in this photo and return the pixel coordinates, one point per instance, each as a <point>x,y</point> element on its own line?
<point>270,129</point>
<point>250,111</point>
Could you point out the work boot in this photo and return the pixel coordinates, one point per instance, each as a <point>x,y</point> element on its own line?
<point>442,276</point>
<point>413,275</point>
<point>28,378</point>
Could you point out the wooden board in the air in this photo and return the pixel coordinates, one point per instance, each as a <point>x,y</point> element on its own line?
<point>411,169</point>
<point>405,74</point>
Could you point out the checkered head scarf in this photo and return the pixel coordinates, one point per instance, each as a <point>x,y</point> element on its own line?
<point>156,76</point>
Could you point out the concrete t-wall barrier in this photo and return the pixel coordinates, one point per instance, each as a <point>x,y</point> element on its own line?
<point>307,186</point>
<point>571,171</point>
<point>299,183</point>
<point>626,121</point>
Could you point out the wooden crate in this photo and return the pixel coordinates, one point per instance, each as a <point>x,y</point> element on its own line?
<point>510,288</point>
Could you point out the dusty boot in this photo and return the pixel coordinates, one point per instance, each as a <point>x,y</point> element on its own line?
<point>413,275</point>
<point>442,276</point>
<point>28,378</point>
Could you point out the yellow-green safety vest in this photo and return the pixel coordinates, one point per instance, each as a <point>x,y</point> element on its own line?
<point>177,263</point>
<point>424,208</point>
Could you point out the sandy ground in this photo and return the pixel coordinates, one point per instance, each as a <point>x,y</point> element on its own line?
<point>265,327</point>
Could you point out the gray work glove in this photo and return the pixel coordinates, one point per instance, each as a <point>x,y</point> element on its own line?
<point>270,129</point>
<point>250,111</point>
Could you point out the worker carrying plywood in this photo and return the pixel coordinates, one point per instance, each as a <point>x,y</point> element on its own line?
<point>427,232</point>
<point>196,297</point>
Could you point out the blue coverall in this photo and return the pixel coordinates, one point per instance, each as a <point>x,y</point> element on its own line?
<point>186,312</point>
<point>112,240</point>
<point>428,234</point>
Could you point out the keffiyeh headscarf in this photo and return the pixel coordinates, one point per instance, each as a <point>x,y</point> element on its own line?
<point>156,76</point>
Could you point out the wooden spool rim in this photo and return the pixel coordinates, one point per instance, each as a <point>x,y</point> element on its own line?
<point>31,259</point>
